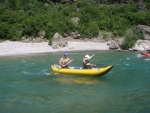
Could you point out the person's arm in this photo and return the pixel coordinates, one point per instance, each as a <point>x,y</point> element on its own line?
<point>84,61</point>
<point>91,56</point>
<point>93,64</point>
<point>60,62</point>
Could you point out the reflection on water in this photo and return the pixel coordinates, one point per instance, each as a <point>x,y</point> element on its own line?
<point>86,81</point>
<point>77,80</point>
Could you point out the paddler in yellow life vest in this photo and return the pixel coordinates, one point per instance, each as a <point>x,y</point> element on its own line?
<point>64,61</point>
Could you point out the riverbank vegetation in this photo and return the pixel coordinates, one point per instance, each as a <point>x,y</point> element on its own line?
<point>29,17</point>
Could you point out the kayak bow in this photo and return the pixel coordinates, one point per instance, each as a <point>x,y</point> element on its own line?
<point>145,54</point>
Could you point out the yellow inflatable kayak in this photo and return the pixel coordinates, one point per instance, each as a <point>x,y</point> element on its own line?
<point>80,71</point>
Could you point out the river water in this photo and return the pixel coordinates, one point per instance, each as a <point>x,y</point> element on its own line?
<point>26,85</point>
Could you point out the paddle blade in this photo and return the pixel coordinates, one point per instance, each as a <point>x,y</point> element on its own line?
<point>52,72</point>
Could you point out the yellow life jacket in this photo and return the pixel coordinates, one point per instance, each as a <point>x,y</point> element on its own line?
<point>65,61</point>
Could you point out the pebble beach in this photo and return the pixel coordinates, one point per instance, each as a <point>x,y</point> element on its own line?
<point>17,48</point>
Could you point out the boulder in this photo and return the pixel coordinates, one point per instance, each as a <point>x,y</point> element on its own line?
<point>141,45</point>
<point>141,6</point>
<point>41,34</point>
<point>75,35</point>
<point>35,39</point>
<point>113,44</point>
<point>58,41</point>
<point>75,21</point>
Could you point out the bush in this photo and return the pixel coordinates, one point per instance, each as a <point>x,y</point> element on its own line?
<point>131,37</point>
<point>119,25</point>
<point>15,33</point>
<point>142,18</point>
<point>28,17</point>
<point>91,30</point>
<point>4,30</point>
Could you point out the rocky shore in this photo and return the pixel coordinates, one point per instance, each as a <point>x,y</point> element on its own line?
<point>17,48</point>
<point>74,42</point>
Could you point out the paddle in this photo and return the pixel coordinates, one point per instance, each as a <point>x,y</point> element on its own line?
<point>52,72</point>
<point>94,65</point>
<point>91,56</point>
<point>91,64</point>
<point>69,62</point>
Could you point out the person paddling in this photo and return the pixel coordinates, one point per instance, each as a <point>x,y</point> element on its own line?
<point>64,61</point>
<point>86,63</point>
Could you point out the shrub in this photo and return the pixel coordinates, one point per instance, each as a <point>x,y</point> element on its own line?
<point>91,30</point>
<point>104,24</point>
<point>15,33</point>
<point>119,25</point>
<point>142,18</point>
<point>4,30</point>
<point>131,37</point>
<point>28,17</point>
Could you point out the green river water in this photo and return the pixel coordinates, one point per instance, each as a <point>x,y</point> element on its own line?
<point>26,85</point>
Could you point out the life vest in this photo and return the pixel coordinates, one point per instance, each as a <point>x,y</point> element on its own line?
<point>85,66</point>
<point>65,61</point>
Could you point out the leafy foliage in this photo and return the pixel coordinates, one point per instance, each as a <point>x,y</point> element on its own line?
<point>131,37</point>
<point>28,17</point>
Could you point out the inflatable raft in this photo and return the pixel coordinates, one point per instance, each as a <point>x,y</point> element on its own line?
<point>80,71</point>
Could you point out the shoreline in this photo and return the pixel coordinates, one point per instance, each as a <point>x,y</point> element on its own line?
<point>8,48</point>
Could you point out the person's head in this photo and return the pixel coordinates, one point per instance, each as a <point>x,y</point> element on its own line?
<point>87,56</point>
<point>65,54</point>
